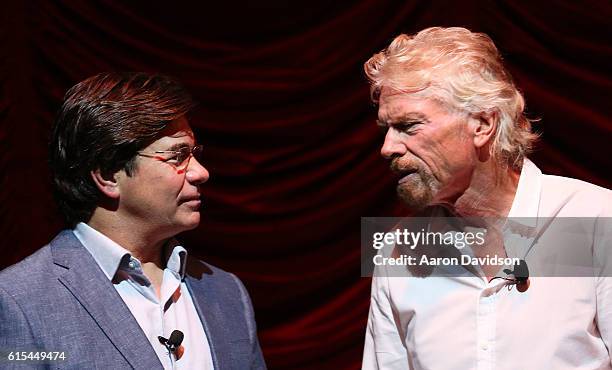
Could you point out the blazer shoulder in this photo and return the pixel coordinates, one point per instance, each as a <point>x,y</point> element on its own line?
<point>34,270</point>
<point>27,269</point>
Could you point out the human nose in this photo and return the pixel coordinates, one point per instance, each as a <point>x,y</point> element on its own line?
<point>392,146</point>
<point>196,173</point>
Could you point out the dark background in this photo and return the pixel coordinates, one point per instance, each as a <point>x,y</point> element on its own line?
<point>288,130</point>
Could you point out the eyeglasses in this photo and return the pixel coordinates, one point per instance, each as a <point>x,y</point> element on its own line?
<point>177,158</point>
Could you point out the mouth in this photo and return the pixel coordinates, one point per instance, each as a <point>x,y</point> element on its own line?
<point>406,176</point>
<point>192,202</point>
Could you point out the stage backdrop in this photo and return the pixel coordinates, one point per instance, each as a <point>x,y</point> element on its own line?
<point>288,129</point>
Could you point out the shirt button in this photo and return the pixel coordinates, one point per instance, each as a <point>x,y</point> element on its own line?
<point>132,264</point>
<point>484,346</point>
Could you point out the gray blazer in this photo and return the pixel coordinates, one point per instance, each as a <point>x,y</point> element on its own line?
<point>58,299</point>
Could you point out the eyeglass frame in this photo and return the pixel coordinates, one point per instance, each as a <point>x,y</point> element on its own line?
<point>190,152</point>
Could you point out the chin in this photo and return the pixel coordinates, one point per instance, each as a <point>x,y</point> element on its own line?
<point>417,197</point>
<point>190,222</point>
<point>419,191</point>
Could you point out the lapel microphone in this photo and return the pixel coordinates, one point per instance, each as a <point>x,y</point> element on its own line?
<point>521,276</point>
<point>174,342</point>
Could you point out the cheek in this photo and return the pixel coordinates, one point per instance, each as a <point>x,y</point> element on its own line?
<point>165,187</point>
<point>430,150</point>
<point>444,155</point>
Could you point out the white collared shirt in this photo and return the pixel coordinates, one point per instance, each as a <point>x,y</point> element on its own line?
<point>175,310</point>
<point>465,322</point>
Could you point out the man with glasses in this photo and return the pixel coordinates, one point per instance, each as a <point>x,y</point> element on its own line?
<point>117,290</point>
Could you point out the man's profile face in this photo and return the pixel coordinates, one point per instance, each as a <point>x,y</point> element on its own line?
<point>159,194</point>
<point>429,147</point>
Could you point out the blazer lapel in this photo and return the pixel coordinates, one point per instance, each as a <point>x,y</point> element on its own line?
<point>90,286</point>
<point>203,295</point>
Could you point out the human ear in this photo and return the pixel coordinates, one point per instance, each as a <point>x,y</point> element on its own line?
<point>106,183</point>
<point>484,126</point>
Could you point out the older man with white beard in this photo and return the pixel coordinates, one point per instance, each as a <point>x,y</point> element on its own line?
<point>457,136</point>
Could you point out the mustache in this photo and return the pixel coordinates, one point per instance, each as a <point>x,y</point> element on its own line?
<point>401,168</point>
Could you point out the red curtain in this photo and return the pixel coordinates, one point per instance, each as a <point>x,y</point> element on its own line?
<point>288,130</point>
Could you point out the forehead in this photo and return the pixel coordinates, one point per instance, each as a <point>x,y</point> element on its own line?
<point>394,104</point>
<point>179,131</point>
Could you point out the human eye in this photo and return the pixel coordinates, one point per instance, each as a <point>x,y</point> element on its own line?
<point>177,157</point>
<point>182,155</point>
<point>409,127</point>
<point>172,157</point>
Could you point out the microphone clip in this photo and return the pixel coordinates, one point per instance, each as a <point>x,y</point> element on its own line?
<point>521,276</point>
<point>173,342</point>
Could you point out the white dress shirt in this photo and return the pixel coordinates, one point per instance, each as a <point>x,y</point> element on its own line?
<point>174,310</point>
<point>465,322</point>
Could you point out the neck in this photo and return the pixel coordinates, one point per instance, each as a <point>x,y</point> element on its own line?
<point>138,240</point>
<point>490,192</point>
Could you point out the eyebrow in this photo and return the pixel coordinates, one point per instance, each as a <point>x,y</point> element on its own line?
<point>177,147</point>
<point>407,117</point>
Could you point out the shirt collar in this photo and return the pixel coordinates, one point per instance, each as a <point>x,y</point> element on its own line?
<point>109,255</point>
<point>527,198</point>
<point>176,257</point>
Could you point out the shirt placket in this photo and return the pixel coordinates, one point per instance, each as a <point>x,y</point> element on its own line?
<point>485,350</point>
<point>158,324</point>
<point>170,283</point>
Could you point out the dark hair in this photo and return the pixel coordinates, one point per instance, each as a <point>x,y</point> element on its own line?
<point>102,123</point>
